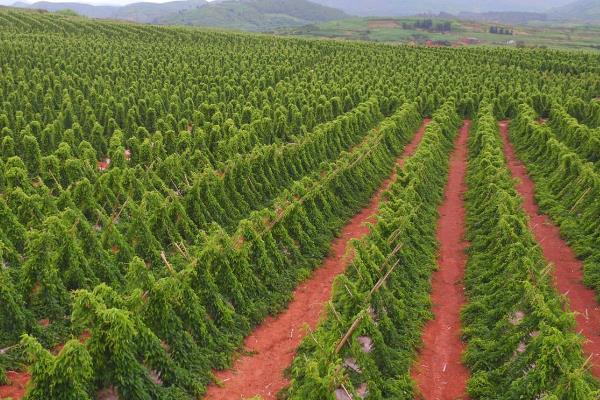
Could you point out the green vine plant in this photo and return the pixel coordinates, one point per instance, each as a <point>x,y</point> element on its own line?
<point>567,185</point>
<point>367,343</point>
<point>520,335</point>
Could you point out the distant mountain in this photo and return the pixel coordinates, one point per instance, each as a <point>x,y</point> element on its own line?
<point>386,8</point>
<point>138,12</point>
<point>87,10</point>
<point>254,15</point>
<point>152,12</point>
<point>581,10</point>
<point>265,15</point>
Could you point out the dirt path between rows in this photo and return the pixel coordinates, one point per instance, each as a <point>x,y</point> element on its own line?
<point>568,274</point>
<point>16,389</point>
<point>274,342</point>
<point>438,371</point>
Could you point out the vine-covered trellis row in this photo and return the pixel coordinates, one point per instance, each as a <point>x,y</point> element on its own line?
<point>192,319</point>
<point>521,338</point>
<point>367,343</point>
<point>559,155</point>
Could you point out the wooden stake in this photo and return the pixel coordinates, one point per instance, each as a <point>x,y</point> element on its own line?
<point>167,263</point>
<point>383,279</point>
<point>55,180</point>
<point>353,327</point>
<point>180,249</point>
<point>581,198</point>
<point>335,313</point>
<point>377,286</point>
<point>346,390</point>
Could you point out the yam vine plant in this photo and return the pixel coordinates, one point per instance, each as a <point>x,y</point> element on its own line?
<point>399,254</point>
<point>567,184</point>
<point>520,335</point>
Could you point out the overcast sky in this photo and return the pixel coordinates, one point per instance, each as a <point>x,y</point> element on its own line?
<point>95,2</point>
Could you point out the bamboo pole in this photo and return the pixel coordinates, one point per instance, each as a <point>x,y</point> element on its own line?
<point>167,263</point>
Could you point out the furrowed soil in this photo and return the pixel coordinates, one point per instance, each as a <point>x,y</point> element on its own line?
<point>438,371</point>
<point>568,274</point>
<point>273,344</point>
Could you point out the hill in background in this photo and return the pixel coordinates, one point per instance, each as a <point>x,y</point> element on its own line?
<point>254,15</point>
<point>150,12</point>
<point>269,15</point>
<point>580,10</point>
<point>86,10</point>
<point>136,12</point>
<point>386,8</point>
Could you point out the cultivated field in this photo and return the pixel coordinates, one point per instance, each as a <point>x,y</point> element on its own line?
<point>191,214</point>
<point>571,36</point>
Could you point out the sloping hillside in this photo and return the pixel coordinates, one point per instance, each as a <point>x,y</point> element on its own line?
<point>582,10</point>
<point>137,12</point>
<point>86,10</point>
<point>301,9</point>
<point>151,12</point>
<point>255,15</point>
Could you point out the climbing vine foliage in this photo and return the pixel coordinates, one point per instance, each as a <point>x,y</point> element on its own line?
<point>165,189</point>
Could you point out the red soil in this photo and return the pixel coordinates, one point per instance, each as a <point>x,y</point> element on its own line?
<point>18,380</point>
<point>568,275</point>
<point>275,341</point>
<point>16,389</point>
<point>439,372</point>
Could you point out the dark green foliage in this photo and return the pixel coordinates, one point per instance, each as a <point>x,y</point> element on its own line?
<point>3,377</point>
<point>65,376</point>
<point>182,183</point>
<point>15,319</point>
<point>403,240</point>
<point>563,160</point>
<point>521,342</point>
<point>236,285</point>
<point>583,140</point>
